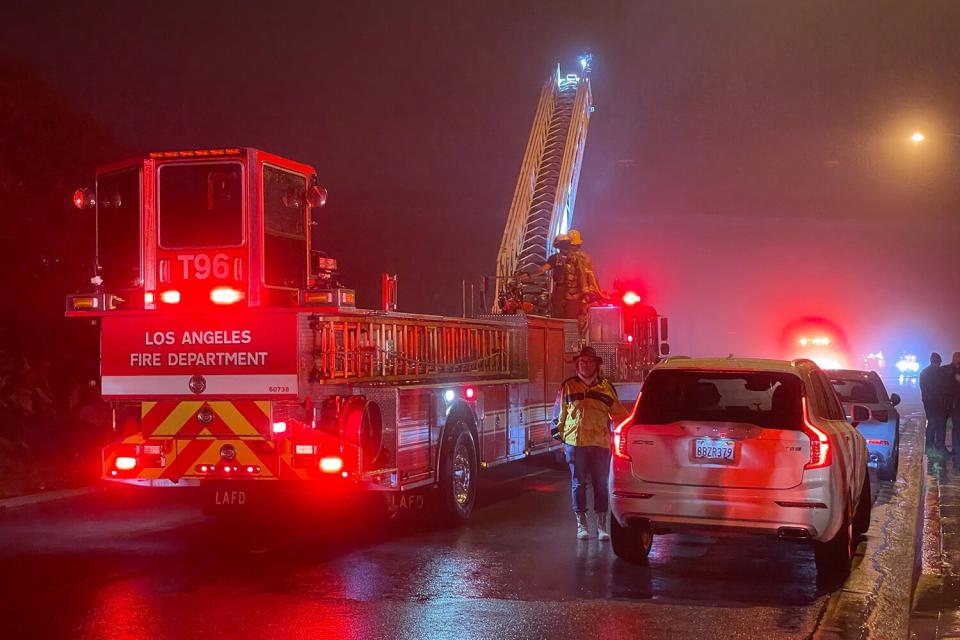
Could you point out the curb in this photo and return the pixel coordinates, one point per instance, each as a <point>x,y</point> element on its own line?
<point>875,600</point>
<point>33,499</point>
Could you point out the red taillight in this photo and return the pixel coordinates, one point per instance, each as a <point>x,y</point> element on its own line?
<point>819,442</point>
<point>148,299</point>
<point>331,464</point>
<point>620,439</point>
<point>620,433</point>
<point>881,416</point>
<point>225,295</point>
<point>279,427</point>
<point>170,297</point>
<point>469,393</point>
<point>125,463</point>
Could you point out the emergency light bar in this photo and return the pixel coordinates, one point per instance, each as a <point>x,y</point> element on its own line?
<point>196,153</point>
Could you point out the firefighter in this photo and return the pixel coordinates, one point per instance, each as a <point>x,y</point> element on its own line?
<point>557,265</point>
<point>583,287</point>
<point>585,406</point>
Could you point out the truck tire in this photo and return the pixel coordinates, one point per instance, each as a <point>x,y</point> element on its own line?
<point>633,543</point>
<point>834,556</point>
<point>458,474</point>
<point>861,520</point>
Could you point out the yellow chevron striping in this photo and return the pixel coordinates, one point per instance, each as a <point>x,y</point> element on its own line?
<point>264,405</point>
<point>234,419</point>
<point>146,406</point>
<point>177,418</point>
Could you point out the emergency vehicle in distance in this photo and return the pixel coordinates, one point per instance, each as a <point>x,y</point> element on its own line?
<point>234,360</point>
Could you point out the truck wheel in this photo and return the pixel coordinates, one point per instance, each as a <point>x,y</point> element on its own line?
<point>632,543</point>
<point>834,556</point>
<point>861,521</point>
<point>458,474</point>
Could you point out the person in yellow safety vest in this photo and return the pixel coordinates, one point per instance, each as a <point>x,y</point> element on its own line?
<point>585,405</point>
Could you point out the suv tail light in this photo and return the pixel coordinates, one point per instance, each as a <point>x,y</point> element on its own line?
<point>819,442</point>
<point>620,435</point>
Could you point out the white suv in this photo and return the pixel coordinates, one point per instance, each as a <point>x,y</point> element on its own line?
<point>741,446</point>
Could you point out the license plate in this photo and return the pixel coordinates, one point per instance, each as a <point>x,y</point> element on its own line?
<point>714,450</point>
<point>227,498</point>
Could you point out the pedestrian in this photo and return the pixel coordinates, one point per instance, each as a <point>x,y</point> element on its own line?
<point>586,403</point>
<point>934,403</point>
<point>951,383</point>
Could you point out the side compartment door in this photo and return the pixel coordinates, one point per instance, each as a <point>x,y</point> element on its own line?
<point>493,425</point>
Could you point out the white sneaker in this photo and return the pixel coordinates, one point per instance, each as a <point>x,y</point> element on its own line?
<point>603,532</point>
<point>582,532</point>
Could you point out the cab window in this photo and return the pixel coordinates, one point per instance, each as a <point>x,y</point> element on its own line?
<point>201,205</point>
<point>118,227</point>
<point>284,233</point>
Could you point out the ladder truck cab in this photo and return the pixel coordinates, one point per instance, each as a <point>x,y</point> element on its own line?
<point>235,362</point>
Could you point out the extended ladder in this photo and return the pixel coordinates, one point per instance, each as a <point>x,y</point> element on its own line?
<point>547,188</point>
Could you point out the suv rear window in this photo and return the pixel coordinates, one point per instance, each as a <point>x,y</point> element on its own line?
<point>766,399</point>
<point>855,390</point>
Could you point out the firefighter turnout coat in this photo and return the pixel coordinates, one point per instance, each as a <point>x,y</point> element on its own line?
<point>582,413</point>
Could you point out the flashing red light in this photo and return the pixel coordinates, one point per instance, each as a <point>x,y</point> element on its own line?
<point>819,442</point>
<point>279,427</point>
<point>332,464</point>
<point>84,199</point>
<point>125,463</point>
<point>631,298</point>
<point>629,338</point>
<point>225,295</point>
<point>469,393</point>
<point>170,297</point>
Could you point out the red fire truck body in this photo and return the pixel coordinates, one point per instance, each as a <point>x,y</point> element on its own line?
<point>228,366</point>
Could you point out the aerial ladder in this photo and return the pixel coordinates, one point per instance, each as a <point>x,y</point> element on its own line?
<point>546,191</point>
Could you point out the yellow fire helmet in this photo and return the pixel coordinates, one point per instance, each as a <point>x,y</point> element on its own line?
<point>575,238</point>
<point>561,239</point>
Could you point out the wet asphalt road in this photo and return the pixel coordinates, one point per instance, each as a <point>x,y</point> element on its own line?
<point>138,566</point>
<point>119,567</point>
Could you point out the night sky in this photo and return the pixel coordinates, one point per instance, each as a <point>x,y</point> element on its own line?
<point>748,163</point>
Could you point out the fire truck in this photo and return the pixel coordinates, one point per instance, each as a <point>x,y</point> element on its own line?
<point>235,360</point>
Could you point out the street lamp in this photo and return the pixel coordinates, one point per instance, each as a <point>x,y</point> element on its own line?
<point>918,136</point>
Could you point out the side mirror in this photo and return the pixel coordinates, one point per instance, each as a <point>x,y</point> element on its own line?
<point>859,413</point>
<point>664,349</point>
<point>894,399</point>
<point>316,195</point>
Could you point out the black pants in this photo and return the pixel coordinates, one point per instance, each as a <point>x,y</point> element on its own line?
<point>955,431</point>
<point>936,426</point>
